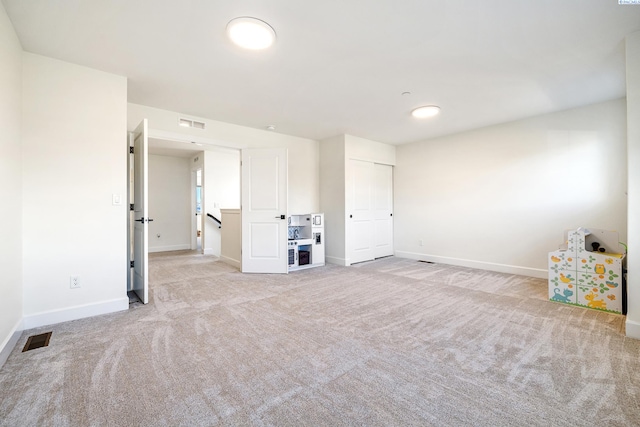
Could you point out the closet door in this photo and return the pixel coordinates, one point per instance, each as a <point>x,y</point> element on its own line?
<point>383,210</point>
<point>360,215</point>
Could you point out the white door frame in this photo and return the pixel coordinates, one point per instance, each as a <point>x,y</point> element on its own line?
<point>194,227</point>
<point>140,281</point>
<point>195,218</point>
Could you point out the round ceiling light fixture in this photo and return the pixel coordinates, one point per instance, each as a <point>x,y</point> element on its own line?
<point>426,111</point>
<point>250,33</point>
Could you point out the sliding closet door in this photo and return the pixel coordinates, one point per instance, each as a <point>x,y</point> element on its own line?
<point>383,210</point>
<point>360,212</point>
<point>370,211</point>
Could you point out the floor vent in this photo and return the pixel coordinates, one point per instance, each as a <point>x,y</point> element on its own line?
<point>37,341</point>
<point>427,262</point>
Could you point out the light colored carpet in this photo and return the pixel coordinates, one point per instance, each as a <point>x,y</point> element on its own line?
<point>390,342</point>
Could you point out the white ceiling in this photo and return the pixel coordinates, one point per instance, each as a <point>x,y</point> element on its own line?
<point>340,66</point>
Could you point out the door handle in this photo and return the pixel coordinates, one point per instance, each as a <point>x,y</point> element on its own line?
<point>281,217</point>
<point>142,220</point>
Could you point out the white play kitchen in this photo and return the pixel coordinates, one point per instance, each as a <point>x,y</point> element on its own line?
<point>306,241</point>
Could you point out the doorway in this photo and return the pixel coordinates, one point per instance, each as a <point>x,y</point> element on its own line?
<point>178,194</point>
<point>197,230</point>
<point>186,214</point>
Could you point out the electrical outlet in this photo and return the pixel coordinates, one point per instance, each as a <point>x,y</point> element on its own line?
<point>75,282</point>
<point>421,243</point>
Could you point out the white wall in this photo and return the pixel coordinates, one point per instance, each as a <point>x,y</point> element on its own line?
<point>74,160</point>
<point>169,203</point>
<point>369,151</point>
<point>10,186</point>
<point>332,197</point>
<point>500,197</point>
<point>303,153</point>
<point>222,191</point>
<point>633,145</point>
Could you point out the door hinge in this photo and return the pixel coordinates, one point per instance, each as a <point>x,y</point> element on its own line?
<point>131,207</point>
<point>130,150</point>
<point>131,264</point>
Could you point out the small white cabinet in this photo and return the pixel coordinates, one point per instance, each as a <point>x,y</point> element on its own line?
<point>305,241</point>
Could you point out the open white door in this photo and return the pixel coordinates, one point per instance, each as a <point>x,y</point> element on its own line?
<point>140,212</point>
<point>264,210</point>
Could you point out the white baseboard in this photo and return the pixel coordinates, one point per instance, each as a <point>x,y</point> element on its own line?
<point>10,342</point>
<point>74,313</point>
<point>632,329</point>
<point>335,260</point>
<point>481,265</point>
<point>184,247</point>
<point>231,261</point>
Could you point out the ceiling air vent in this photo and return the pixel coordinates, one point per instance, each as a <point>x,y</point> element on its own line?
<point>188,123</point>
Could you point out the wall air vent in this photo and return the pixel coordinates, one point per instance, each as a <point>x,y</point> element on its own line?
<point>188,123</point>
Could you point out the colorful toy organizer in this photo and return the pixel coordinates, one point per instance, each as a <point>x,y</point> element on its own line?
<point>587,278</point>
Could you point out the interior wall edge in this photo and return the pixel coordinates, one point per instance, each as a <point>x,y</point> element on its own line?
<point>231,261</point>
<point>74,313</point>
<point>336,260</point>
<point>481,265</point>
<point>632,329</point>
<point>7,346</point>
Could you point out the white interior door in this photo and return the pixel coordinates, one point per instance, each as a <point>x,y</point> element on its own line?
<point>264,210</point>
<point>140,212</point>
<point>383,210</point>
<point>361,219</point>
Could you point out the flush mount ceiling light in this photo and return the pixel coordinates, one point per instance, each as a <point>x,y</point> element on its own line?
<point>250,33</point>
<point>426,111</point>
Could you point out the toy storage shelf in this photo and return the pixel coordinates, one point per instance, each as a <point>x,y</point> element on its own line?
<point>590,279</point>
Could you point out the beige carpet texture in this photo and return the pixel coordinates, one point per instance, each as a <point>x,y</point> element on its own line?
<point>392,342</point>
